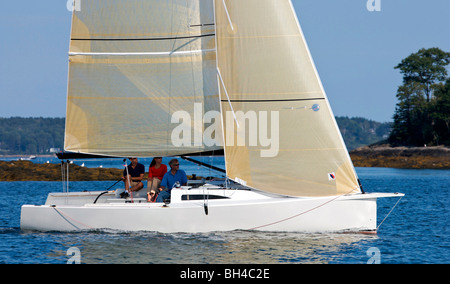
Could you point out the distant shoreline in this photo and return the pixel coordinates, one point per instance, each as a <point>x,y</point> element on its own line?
<point>402,157</point>
<point>370,156</point>
<point>28,155</point>
<point>29,171</point>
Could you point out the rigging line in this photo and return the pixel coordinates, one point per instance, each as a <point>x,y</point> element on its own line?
<point>390,212</point>
<point>226,93</point>
<point>305,212</point>
<point>200,163</point>
<point>68,218</point>
<point>67,176</point>
<point>228,15</point>
<point>67,186</point>
<point>63,176</point>
<point>170,78</point>
<point>279,100</point>
<point>192,58</point>
<point>142,39</point>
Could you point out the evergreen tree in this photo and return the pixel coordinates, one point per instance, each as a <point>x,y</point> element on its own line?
<point>422,114</point>
<point>440,114</point>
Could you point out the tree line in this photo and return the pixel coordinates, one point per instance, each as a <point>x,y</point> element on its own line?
<point>358,131</point>
<point>422,114</point>
<point>32,136</point>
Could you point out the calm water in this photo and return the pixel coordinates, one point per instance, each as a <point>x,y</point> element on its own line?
<point>416,232</point>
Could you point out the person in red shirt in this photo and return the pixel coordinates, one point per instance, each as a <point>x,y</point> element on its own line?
<point>156,172</point>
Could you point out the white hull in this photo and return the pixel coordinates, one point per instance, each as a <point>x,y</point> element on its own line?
<point>241,210</point>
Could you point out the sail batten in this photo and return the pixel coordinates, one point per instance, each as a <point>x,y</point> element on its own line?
<point>144,39</point>
<point>164,53</point>
<point>272,100</point>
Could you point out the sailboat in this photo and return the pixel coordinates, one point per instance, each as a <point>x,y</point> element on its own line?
<point>201,77</point>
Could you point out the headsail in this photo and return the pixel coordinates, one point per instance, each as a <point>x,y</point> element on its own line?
<point>280,133</point>
<point>133,65</point>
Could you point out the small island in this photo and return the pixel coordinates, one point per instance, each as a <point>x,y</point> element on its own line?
<point>402,157</point>
<point>29,171</point>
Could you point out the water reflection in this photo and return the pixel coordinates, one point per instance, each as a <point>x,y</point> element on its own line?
<point>238,247</point>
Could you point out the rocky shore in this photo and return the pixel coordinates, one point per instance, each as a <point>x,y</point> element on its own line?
<point>370,156</point>
<point>29,171</point>
<point>402,157</point>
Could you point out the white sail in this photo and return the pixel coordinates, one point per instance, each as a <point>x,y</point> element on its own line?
<point>280,133</point>
<point>142,82</point>
<point>135,64</point>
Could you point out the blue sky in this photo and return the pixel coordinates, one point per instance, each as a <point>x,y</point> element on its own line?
<point>355,51</point>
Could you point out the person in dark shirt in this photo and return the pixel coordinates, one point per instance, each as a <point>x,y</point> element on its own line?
<point>133,176</point>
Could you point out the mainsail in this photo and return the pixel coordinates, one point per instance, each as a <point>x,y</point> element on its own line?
<point>133,65</point>
<point>267,74</point>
